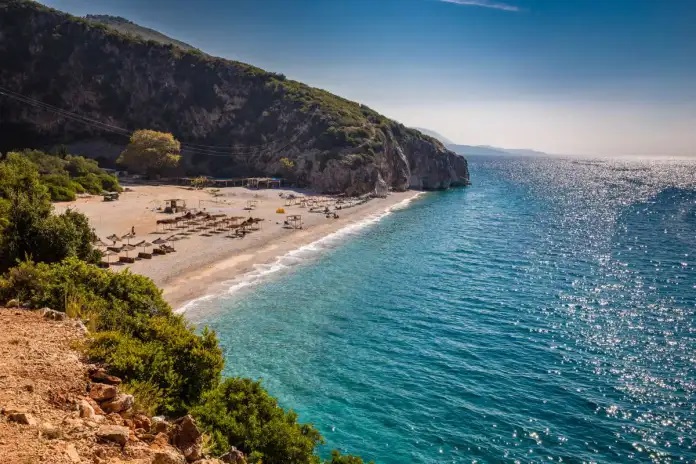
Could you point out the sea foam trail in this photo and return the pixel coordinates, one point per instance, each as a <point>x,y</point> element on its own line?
<point>298,256</point>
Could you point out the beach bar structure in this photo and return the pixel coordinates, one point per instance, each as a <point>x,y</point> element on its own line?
<point>175,205</point>
<point>294,221</point>
<point>263,182</point>
<point>249,182</point>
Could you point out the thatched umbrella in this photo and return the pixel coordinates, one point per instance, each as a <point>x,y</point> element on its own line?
<point>108,254</point>
<point>127,248</point>
<point>159,241</point>
<point>98,242</point>
<point>127,237</point>
<point>144,244</point>
<point>114,238</point>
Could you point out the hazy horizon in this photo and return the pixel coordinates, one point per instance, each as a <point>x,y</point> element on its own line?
<point>572,77</point>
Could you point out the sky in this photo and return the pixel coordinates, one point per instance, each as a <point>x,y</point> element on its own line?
<point>593,77</point>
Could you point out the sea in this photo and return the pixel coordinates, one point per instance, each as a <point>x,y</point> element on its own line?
<point>546,313</point>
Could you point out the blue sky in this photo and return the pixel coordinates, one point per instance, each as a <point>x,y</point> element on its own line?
<point>600,77</point>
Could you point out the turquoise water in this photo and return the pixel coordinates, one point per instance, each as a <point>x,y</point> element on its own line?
<point>546,313</point>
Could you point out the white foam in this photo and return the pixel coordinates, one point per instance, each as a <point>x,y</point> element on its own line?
<point>298,256</point>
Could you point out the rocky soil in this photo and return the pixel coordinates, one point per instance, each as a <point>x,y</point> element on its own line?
<point>57,409</point>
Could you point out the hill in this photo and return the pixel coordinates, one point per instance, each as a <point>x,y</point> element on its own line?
<point>233,119</point>
<point>436,135</point>
<point>485,150</point>
<point>128,27</point>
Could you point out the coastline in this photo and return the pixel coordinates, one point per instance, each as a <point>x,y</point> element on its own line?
<point>209,264</point>
<point>239,270</point>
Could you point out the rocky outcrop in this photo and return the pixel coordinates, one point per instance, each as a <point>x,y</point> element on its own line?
<point>51,404</point>
<point>233,119</point>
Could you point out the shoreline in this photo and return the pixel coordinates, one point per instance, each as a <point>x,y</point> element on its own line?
<point>208,263</point>
<point>234,272</point>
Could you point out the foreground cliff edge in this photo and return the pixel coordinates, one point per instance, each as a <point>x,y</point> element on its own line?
<point>232,118</point>
<point>57,409</point>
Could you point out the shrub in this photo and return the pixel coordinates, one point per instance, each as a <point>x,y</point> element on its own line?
<point>240,413</point>
<point>138,335</point>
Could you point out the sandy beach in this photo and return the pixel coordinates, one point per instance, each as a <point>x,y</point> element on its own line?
<point>202,262</point>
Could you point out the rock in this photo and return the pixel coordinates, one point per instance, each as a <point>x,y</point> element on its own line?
<point>114,418</point>
<point>80,326</point>
<point>186,436</point>
<point>141,421</point>
<point>102,392</point>
<point>22,418</point>
<point>146,437</point>
<point>72,453</point>
<point>168,456</point>
<point>49,431</point>
<point>52,315</point>
<point>113,433</point>
<point>159,425</point>
<point>74,424</point>
<point>13,303</point>
<point>86,410</point>
<point>100,375</point>
<point>233,456</point>
<point>29,386</point>
<point>122,402</point>
<point>209,461</point>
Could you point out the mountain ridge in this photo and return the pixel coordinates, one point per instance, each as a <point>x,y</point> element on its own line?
<point>237,119</point>
<point>126,26</point>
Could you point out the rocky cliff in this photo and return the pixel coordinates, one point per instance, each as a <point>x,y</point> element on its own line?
<point>233,119</point>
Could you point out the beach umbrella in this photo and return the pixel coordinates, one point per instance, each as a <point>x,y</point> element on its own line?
<point>98,242</point>
<point>144,244</point>
<point>127,248</point>
<point>109,254</point>
<point>114,238</point>
<point>127,237</point>
<point>159,241</point>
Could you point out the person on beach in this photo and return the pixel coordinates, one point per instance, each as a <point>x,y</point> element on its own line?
<point>133,231</point>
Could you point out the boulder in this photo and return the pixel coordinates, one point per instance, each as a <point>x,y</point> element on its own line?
<point>52,315</point>
<point>113,433</point>
<point>168,456</point>
<point>100,375</point>
<point>102,392</point>
<point>22,418</point>
<point>122,402</point>
<point>49,431</point>
<point>86,409</point>
<point>233,456</point>
<point>186,436</point>
<point>13,303</point>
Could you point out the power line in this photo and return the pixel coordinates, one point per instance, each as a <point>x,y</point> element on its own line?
<point>207,150</point>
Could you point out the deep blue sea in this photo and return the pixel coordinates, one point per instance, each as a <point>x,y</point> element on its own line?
<point>547,313</point>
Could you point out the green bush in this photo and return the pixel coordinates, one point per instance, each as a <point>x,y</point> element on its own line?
<point>67,175</point>
<point>91,183</point>
<point>139,337</point>
<point>338,458</point>
<point>240,413</point>
<point>27,227</point>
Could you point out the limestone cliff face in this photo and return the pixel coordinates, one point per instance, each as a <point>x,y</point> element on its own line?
<point>233,119</point>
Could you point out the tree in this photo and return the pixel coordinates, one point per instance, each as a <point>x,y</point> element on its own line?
<point>288,167</point>
<point>199,182</point>
<point>151,153</point>
<point>27,225</point>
